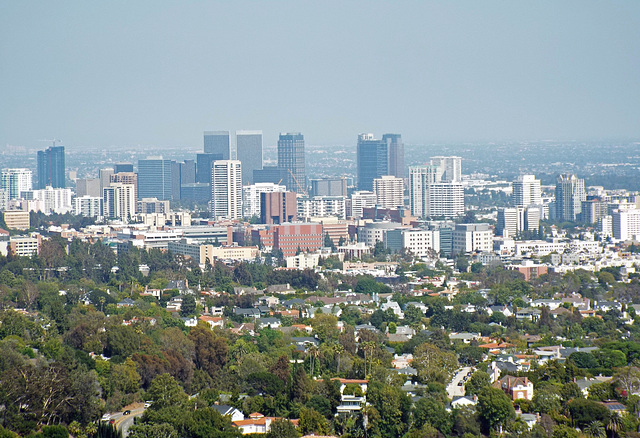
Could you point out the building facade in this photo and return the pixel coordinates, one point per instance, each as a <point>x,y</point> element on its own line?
<point>527,191</point>
<point>389,191</point>
<point>154,178</point>
<point>278,207</point>
<point>51,168</point>
<point>226,189</point>
<point>217,142</point>
<point>15,181</point>
<point>249,153</point>
<point>570,193</point>
<point>291,158</point>
<point>251,197</point>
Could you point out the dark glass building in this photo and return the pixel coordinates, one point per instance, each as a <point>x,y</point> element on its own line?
<point>249,153</point>
<point>154,178</point>
<point>203,167</point>
<point>291,159</point>
<point>395,149</point>
<point>51,168</point>
<point>217,142</point>
<point>373,160</point>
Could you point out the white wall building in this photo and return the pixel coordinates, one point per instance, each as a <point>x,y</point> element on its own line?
<point>420,242</point>
<point>87,206</point>
<point>389,191</point>
<point>451,168</point>
<point>119,201</point>
<point>251,197</point>
<point>226,189</point>
<point>359,201</point>
<point>527,191</point>
<point>472,238</point>
<point>49,200</point>
<point>15,181</point>
<point>625,224</point>
<point>321,206</point>
<point>374,232</point>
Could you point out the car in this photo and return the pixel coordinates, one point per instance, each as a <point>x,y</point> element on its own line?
<point>127,412</point>
<point>147,404</point>
<point>106,417</point>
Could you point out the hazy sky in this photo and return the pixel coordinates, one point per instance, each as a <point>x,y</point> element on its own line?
<point>158,73</point>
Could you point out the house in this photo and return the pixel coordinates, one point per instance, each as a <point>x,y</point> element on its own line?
<point>515,387</point>
<point>127,302</point>
<point>280,289</point>
<point>464,337</point>
<point>230,411</point>
<point>531,314</point>
<point>464,401</point>
<point>213,321</point>
<point>402,360</point>
<point>302,343</point>
<point>245,290</point>
<point>505,310</point>
<point>257,423</point>
<point>529,419</point>
<point>268,322</point>
<point>614,406</point>
<point>247,313</point>
<point>181,285</point>
<point>244,328</point>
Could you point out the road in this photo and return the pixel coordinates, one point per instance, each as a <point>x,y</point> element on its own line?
<point>124,422</point>
<point>455,390</point>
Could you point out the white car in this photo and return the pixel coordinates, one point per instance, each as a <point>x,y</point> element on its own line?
<point>106,417</point>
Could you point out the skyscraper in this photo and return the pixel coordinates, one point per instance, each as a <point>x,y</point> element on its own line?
<point>395,149</point>
<point>430,196</point>
<point>217,142</point>
<point>291,159</point>
<point>122,167</point>
<point>226,189</point>
<point>526,191</point>
<point>15,181</point>
<point>451,168</point>
<point>389,191</point>
<point>570,193</point>
<point>203,166</point>
<point>373,160</point>
<point>154,178</point>
<point>249,153</point>
<point>51,168</point>
<point>419,179</point>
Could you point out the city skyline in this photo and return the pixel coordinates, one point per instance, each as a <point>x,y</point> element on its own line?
<point>452,71</point>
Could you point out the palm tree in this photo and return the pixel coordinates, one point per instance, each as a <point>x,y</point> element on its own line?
<point>313,352</point>
<point>338,349</point>
<point>614,424</point>
<point>595,430</point>
<point>368,347</point>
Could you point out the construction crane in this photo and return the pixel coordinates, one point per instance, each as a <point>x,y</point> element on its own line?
<point>53,141</point>
<point>302,190</point>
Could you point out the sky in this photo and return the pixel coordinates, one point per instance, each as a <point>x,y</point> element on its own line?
<point>158,73</point>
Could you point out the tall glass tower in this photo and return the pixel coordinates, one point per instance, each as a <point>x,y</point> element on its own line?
<point>373,160</point>
<point>291,159</point>
<point>217,142</point>
<point>154,178</point>
<point>51,168</point>
<point>249,152</point>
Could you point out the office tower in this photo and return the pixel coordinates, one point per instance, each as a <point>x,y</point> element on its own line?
<point>291,159</point>
<point>217,142</point>
<point>278,207</point>
<point>570,193</point>
<point>176,180</point>
<point>472,238</point>
<point>359,201</point>
<point>15,181</point>
<point>526,191</point>
<point>104,175</point>
<point>154,178</point>
<point>451,168</point>
<point>126,178</point>
<point>395,150</point>
<point>119,201</point>
<point>48,200</point>
<point>389,191</point>
<point>372,160</point>
<point>512,221</point>
<point>203,166</point>
<point>51,168</point>
<point>420,177</point>
<point>445,199</point>
<point>270,174</point>
<point>226,189</point>
<point>87,206</point>
<point>122,167</point>
<point>625,224</point>
<point>321,207</point>
<point>153,205</point>
<point>187,172</point>
<point>251,205</point>
<point>88,187</point>
<point>593,209</point>
<point>329,187</point>
<point>249,153</point>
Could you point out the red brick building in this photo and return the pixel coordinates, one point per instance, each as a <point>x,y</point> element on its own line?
<point>290,237</point>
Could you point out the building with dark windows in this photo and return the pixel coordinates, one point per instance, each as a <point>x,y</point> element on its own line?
<point>51,168</point>
<point>570,193</point>
<point>203,166</point>
<point>395,149</point>
<point>291,159</point>
<point>278,207</point>
<point>249,153</point>
<point>154,178</point>
<point>217,142</point>
<point>373,160</point>
<point>122,167</point>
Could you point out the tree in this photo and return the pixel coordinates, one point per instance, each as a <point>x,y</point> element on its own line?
<point>546,399</point>
<point>282,428</point>
<point>434,364</point>
<point>312,422</point>
<point>476,383</point>
<point>584,411</point>
<point>393,406</point>
<point>627,379</point>
<point>494,408</point>
<point>188,306</point>
<point>210,350</point>
<point>165,392</point>
<point>328,242</point>
<point>428,410</point>
<point>162,430</point>
<point>595,430</point>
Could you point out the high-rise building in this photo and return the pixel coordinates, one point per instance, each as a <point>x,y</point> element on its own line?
<point>329,187</point>
<point>119,201</point>
<point>203,166</point>
<point>122,167</point>
<point>359,201</point>
<point>451,168</point>
<point>15,181</point>
<point>249,153</point>
<point>570,193</point>
<point>321,206</point>
<point>389,191</point>
<point>126,178</point>
<point>154,178</point>
<point>88,187</point>
<point>187,172</point>
<point>104,175</point>
<point>217,142</point>
<point>514,220</point>
<point>87,206</point>
<point>472,238</point>
<point>625,224</point>
<point>420,177</point>
<point>278,207</point>
<point>48,200</point>
<point>291,158</point>
<point>526,191</point>
<point>445,199</point>
<point>226,189</point>
<point>251,194</point>
<point>395,149</point>
<point>372,160</point>
<point>51,168</point>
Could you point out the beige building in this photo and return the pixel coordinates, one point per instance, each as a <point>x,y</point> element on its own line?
<point>389,191</point>
<point>17,220</point>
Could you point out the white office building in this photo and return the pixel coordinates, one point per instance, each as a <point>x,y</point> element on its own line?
<point>527,191</point>
<point>472,238</point>
<point>389,191</point>
<point>514,220</point>
<point>625,224</point>
<point>359,201</point>
<point>419,242</point>
<point>119,201</point>
<point>226,189</point>
<point>321,206</point>
<point>15,181</point>
<point>49,200</point>
<point>251,197</point>
<point>451,168</point>
<point>87,206</point>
